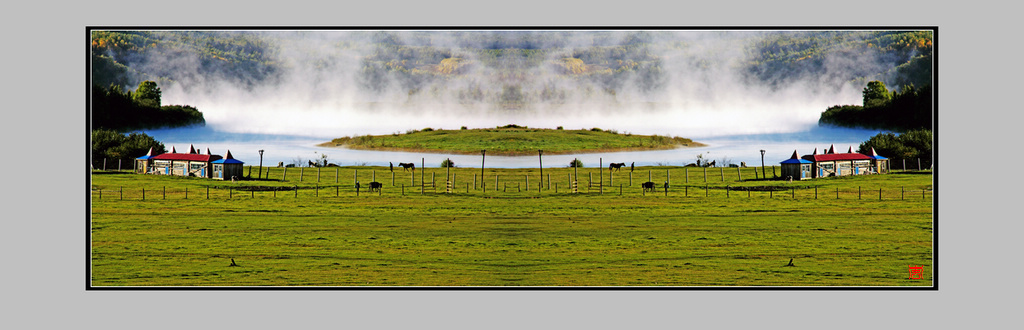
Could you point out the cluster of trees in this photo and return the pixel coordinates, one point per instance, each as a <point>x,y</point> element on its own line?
<point>911,145</point>
<point>116,109</point>
<point>113,146</point>
<point>908,109</point>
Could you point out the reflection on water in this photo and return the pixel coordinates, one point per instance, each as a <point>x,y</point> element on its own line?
<point>724,149</point>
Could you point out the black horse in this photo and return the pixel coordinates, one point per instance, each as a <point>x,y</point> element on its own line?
<point>375,186</point>
<point>312,164</point>
<point>406,166</point>
<point>615,166</point>
<point>648,186</point>
<point>711,163</point>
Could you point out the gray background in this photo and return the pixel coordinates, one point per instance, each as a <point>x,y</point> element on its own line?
<point>44,219</point>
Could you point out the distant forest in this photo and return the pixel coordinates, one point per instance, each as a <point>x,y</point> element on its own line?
<point>499,67</point>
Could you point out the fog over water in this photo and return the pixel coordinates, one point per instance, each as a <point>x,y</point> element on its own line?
<point>697,92</point>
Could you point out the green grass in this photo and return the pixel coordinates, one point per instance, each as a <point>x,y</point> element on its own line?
<point>324,235</point>
<point>511,141</point>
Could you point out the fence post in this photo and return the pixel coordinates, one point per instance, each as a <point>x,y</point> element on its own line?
<point>230,192</point>
<point>317,174</point>
<point>879,193</point>
<point>207,192</point>
<point>620,190</point>
<point>143,193</point>
<point>705,174</point>
<point>164,193</point>
<point>726,191</point>
<point>284,176</point>
<point>686,174</point>
<point>837,192</point>
<point>186,192</point>
<point>738,176</point>
<point>901,192</point>
<point>296,191</point>
<point>815,192</point>
<point>721,171</point>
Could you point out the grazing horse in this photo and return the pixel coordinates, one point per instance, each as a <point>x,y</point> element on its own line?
<point>406,166</point>
<point>312,164</point>
<point>615,166</point>
<point>711,163</point>
<point>648,186</point>
<point>375,186</point>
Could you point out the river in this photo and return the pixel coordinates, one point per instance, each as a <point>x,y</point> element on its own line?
<point>298,149</point>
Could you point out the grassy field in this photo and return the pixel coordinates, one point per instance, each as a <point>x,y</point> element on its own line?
<point>511,141</point>
<point>732,230</point>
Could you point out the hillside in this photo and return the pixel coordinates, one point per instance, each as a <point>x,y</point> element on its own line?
<point>510,69</point>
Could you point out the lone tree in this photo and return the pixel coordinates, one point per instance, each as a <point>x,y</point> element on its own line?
<point>148,94</point>
<point>875,94</point>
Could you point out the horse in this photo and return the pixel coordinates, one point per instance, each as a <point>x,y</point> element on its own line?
<point>711,163</point>
<point>312,164</point>
<point>406,166</point>
<point>375,186</point>
<point>648,186</point>
<point>615,166</point>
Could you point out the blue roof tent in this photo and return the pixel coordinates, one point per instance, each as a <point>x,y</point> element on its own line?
<point>796,167</point>
<point>148,155</point>
<point>874,155</point>
<point>227,160</point>
<point>795,159</point>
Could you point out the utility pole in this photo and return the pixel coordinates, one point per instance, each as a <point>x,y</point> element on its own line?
<point>762,163</point>
<point>261,164</point>
<point>540,158</point>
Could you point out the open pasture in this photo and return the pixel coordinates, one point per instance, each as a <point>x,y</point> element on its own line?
<point>284,230</point>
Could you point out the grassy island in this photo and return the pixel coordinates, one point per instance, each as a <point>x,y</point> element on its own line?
<point>511,140</point>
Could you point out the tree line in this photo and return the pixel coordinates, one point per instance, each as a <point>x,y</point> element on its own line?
<point>117,109</point>
<point>910,108</point>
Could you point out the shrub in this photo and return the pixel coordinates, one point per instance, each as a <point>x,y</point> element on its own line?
<point>428,129</point>
<point>576,163</point>
<point>447,163</point>
<point>463,128</point>
<point>559,128</point>
<point>595,129</point>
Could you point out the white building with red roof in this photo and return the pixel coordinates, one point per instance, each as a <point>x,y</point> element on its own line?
<point>831,163</point>
<point>191,164</point>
